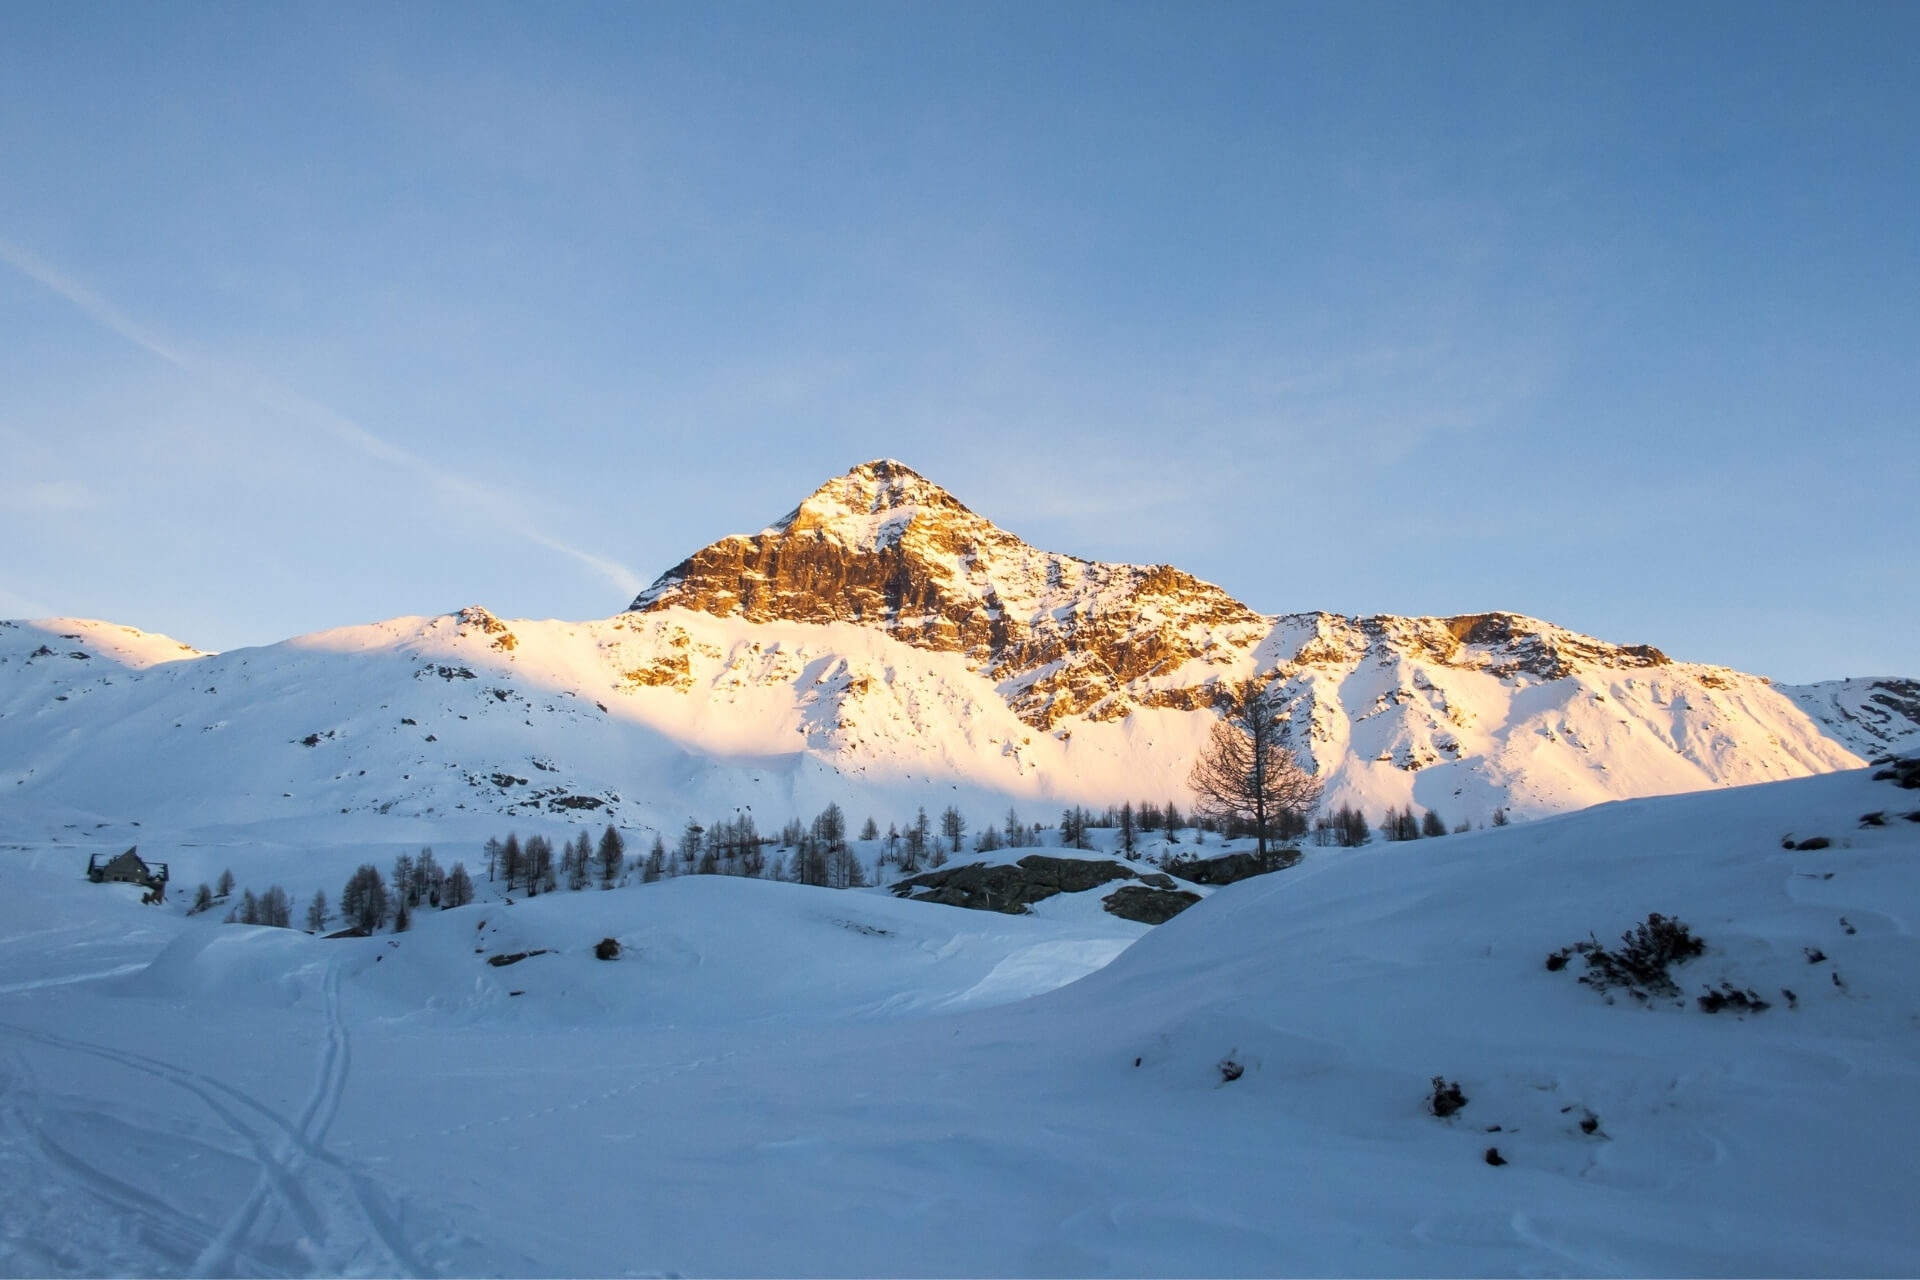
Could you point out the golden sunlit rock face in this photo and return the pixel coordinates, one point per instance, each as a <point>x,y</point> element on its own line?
<point>884,547</point>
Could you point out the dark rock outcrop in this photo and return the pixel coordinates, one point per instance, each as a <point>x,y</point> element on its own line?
<point>1902,771</point>
<point>1148,906</point>
<point>1230,867</point>
<point>1009,889</point>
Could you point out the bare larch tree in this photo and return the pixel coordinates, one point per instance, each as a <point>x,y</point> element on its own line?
<point>1246,772</point>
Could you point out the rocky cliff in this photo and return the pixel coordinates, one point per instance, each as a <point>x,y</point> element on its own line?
<point>884,547</point>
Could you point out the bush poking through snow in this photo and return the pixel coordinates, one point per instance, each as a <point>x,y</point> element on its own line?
<point>1446,1097</point>
<point>1493,1157</point>
<point>607,949</point>
<point>1641,962</point>
<point>1731,997</point>
<point>1230,1070</point>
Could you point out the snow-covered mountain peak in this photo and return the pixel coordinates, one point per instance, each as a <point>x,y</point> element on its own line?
<point>884,547</point>
<point>872,506</point>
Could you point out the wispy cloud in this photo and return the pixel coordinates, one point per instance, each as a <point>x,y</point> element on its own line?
<point>49,496</point>
<point>309,413</point>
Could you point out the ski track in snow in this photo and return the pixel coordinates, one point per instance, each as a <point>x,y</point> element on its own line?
<point>14,988</point>
<point>335,1209</point>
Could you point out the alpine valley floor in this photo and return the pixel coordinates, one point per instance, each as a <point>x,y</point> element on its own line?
<point>779,1080</point>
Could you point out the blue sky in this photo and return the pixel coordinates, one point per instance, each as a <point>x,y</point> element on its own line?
<point>1607,314</point>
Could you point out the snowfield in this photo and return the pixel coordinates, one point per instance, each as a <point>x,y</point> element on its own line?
<point>778,1080</point>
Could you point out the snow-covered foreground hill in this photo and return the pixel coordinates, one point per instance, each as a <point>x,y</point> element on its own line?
<point>772,1079</point>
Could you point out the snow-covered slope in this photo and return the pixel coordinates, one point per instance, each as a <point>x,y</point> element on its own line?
<point>649,718</point>
<point>883,647</point>
<point>772,1079</point>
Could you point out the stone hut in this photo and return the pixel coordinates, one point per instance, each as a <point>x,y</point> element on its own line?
<point>130,868</point>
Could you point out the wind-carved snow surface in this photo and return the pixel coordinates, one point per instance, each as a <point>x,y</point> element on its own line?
<point>778,1080</point>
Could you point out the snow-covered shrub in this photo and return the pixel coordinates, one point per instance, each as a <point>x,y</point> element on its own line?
<point>1641,962</point>
<point>1446,1097</point>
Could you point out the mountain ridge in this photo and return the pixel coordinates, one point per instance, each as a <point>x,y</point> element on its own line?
<point>883,646</point>
<point>1062,636</point>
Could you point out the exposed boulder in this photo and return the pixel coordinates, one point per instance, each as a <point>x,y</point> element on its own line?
<point>1148,906</point>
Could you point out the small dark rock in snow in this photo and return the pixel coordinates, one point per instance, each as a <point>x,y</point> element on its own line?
<point>607,949</point>
<point>1230,1070</point>
<point>513,957</point>
<point>1813,842</point>
<point>1494,1157</point>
